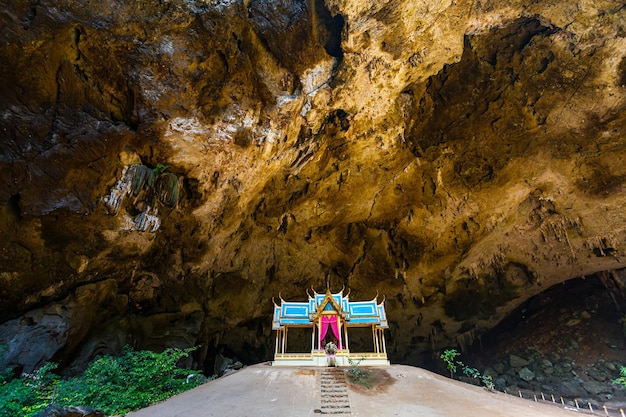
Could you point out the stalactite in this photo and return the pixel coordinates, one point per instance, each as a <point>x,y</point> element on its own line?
<point>465,339</point>
<point>167,189</point>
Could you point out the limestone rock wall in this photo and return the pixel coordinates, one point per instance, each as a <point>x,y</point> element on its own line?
<point>458,157</point>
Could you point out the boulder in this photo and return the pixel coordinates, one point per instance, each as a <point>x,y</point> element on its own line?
<point>71,411</point>
<point>222,363</point>
<point>570,389</point>
<point>517,361</point>
<point>595,387</point>
<point>526,374</point>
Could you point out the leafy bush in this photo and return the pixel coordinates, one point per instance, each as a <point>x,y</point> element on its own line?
<point>449,357</point>
<point>29,394</point>
<point>115,385</point>
<point>622,377</point>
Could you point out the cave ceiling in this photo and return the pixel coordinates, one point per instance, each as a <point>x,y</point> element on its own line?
<point>169,167</point>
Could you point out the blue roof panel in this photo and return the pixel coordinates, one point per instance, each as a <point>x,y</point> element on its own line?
<point>295,310</point>
<point>363,308</point>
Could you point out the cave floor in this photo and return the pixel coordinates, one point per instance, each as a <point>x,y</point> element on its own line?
<point>396,390</point>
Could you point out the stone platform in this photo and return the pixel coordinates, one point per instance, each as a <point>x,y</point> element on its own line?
<point>319,358</point>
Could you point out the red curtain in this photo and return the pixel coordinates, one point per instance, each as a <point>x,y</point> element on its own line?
<point>333,323</point>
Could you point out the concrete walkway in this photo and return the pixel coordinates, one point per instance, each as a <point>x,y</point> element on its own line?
<point>397,390</point>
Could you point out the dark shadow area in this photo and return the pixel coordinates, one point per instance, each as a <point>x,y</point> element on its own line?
<point>568,341</point>
<point>331,37</point>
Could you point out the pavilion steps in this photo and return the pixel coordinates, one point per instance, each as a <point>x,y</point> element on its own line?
<point>334,393</point>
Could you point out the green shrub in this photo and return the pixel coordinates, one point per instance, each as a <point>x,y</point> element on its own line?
<point>115,385</point>
<point>622,377</point>
<point>28,395</point>
<point>359,375</point>
<point>449,357</point>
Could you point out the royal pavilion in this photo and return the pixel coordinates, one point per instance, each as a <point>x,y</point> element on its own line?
<point>330,316</point>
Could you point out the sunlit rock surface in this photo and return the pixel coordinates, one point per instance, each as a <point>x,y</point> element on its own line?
<point>457,157</point>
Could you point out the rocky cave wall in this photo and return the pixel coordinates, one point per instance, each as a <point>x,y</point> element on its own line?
<point>457,157</point>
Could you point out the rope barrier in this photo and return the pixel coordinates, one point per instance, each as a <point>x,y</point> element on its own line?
<point>553,400</point>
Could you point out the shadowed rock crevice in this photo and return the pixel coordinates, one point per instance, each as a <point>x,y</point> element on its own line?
<point>287,30</point>
<point>329,29</point>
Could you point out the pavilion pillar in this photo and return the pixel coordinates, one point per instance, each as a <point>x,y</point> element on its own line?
<point>277,341</point>
<point>376,346</point>
<point>345,336</point>
<point>382,337</point>
<point>319,333</point>
<point>313,338</point>
<point>284,339</point>
<point>339,329</point>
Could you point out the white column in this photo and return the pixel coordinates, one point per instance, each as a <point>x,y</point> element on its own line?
<point>319,333</point>
<point>339,329</point>
<point>382,337</point>
<point>284,339</point>
<point>313,339</point>
<point>277,341</point>
<point>345,332</point>
<point>376,347</point>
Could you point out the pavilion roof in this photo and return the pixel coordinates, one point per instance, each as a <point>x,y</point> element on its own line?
<point>354,313</point>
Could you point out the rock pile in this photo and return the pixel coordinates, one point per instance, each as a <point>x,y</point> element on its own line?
<point>568,342</point>
<point>553,374</point>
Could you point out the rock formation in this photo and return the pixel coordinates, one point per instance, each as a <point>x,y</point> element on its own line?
<point>168,167</point>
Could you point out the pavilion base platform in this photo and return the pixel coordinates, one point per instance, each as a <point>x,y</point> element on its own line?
<point>320,358</point>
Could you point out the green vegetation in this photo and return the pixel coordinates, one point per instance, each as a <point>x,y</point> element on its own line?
<point>29,394</point>
<point>160,169</point>
<point>622,377</point>
<point>359,375</point>
<point>449,357</point>
<point>115,385</point>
